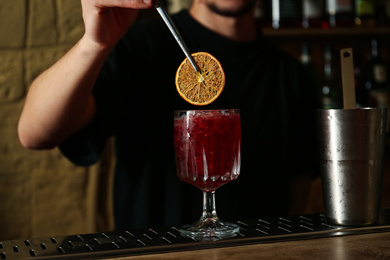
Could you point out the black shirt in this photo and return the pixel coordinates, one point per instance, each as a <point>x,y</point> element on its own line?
<point>136,97</point>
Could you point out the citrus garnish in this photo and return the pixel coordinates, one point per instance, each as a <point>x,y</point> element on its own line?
<point>203,86</point>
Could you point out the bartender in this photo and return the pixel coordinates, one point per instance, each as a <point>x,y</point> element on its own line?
<point>118,81</point>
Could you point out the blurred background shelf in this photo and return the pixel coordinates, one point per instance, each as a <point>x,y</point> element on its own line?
<point>332,32</point>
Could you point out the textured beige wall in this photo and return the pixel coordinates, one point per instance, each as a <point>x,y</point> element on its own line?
<point>41,193</point>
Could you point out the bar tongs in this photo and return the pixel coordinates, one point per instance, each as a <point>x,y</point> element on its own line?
<point>168,21</point>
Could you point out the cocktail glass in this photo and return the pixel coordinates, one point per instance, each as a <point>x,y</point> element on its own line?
<point>207,149</point>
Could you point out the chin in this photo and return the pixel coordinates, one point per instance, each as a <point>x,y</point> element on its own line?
<point>231,8</point>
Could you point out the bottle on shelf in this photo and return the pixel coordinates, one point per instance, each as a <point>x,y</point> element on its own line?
<point>331,91</point>
<point>382,9</point>
<point>306,55</point>
<point>262,13</point>
<point>313,12</point>
<point>365,14</point>
<point>339,13</point>
<point>311,70</point>
<point>377,79</point>
<point>286,13</point>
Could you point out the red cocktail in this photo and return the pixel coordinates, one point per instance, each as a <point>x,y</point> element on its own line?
<point>207,147</point>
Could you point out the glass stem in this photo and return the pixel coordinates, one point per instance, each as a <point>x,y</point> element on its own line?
<point>209,210</point>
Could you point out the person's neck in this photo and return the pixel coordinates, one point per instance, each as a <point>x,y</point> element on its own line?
<point>242,29</point>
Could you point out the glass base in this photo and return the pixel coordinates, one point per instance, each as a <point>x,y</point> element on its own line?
<point>210,230</point>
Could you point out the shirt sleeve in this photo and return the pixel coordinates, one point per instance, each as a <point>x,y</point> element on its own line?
<point>116,84</point>
<point>85,147</point>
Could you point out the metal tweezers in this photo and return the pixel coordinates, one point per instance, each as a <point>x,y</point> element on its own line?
<point>168,21</point>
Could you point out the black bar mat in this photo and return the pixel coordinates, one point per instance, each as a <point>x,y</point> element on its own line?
<point>168,239</point>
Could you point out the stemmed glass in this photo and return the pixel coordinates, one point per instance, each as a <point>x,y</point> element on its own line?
<point>207,149</point>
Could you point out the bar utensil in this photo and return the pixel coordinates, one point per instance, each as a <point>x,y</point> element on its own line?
<point>168,21</point>
<point>348,79</point>
<point>351,155</point>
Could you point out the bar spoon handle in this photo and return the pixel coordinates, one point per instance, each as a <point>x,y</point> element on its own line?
<point>168,21</point>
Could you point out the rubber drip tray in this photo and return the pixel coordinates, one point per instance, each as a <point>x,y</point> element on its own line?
<point>168,239</point>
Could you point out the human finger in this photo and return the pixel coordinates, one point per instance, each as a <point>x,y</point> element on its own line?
<point>134,4</point>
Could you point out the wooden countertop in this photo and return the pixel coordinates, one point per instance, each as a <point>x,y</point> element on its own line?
<point>365,246</point>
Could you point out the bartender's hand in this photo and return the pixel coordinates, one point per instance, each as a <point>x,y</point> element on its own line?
<point>106,21</point>
<point>59,102</point>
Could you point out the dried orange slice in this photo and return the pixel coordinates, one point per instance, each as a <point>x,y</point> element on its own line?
<point>202,87</point>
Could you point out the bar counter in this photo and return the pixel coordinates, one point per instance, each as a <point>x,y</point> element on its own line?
<point>366,246</point>
<point>286,237</point>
